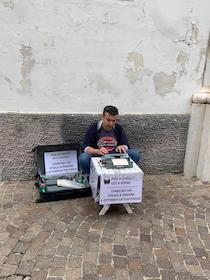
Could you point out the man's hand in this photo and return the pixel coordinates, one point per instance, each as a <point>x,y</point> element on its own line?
<point>121,149</point>
<point>102,151</point>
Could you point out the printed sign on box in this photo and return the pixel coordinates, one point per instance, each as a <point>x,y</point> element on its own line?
<point>93,180</point>
<point>120,188</point>
<point>115,186</point>
<point>60,162</point>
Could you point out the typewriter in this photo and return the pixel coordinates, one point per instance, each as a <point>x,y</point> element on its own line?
<point>116,161</point>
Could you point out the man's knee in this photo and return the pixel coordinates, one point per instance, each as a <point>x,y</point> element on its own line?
<point>84,162</point>
<point>134,154</point>
<point>84,158</point>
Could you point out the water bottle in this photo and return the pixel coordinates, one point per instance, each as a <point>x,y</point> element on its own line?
<point>42,188</point>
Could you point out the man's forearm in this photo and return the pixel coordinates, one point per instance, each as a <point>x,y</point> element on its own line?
<point>91,150</point>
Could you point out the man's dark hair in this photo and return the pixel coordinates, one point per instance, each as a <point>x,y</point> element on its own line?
<point>111,110</point>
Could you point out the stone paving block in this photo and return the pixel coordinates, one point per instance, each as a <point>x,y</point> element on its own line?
<point>200,252</point>
<point>56,278</point>
<point>120,239</point>
<point>77,250</point>
<point>119,250</point>
<point>78,241</point>
<point>7,270</point>
<point>150,271</point>
<point>89,268</point>
<point>120,262</point>
<point>5,251</point>
<point>134,264</point>
<point>62,251</point>
<point>14,258</point>
<point>58,235</point>
<point>184,276</point>
<point>132,242</point>
<point>93,236</point>
<point>38,275</point>
<point>106,247</point>
<point>21,247</point>
<point>56,271</point>
<point>16,277</point>
<point>52,243</point>
<point>168,274</point>
<point>66,242</point>
<point>186,249</point>
<point>74,261</point>
<point>163,262</point>
<point>90,256</point>
<point>92,246</point>
<point>105,258</point>
<point>43,262</point>
<point>207,244</point>
<point>47,252</point>
<point>190,259</point>
<point>177,261</point>
<point>172,246</point>
<point>136,275</point>
<point>25,268</point>
<point>195,270</point>
<point>145,237</point>
<point>2,260</point>
<point>170,236</point>
<point>105,270</point>
<point>204,262</point>
<point>121,274</point>
<point>72,274</point>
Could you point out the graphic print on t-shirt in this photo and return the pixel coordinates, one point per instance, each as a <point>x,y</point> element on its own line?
<point>107,142</point>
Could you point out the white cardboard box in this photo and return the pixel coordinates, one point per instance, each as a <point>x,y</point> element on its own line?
<point>115,186</point>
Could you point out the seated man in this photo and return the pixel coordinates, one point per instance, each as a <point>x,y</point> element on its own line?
<point>103,137</point>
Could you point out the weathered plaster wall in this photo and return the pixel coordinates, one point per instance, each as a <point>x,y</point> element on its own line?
<point>77,56</point>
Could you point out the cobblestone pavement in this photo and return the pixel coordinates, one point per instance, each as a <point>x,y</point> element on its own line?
<point>167,237</point>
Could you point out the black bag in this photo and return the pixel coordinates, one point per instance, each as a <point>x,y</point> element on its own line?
<point>54,162</point>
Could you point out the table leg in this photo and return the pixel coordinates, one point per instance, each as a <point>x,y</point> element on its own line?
<point>127,207</point>
<point>104,209</point>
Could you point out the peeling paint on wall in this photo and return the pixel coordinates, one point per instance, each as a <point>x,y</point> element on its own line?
<point>4,79</point>
<point>164,83</point>
<point>27,66</point>
<point>8,4</point>
<point>136,60</point>
<point>8,81</point>
<point>137,76</point>
<point>192,34</point>
<point>182,59</point>
<point>103,85</point>
<point>199,68</point>
<point>135,69</point>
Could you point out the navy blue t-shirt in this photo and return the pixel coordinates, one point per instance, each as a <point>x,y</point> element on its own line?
<point>107,139</point>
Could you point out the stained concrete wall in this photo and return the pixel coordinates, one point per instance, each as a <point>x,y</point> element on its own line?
<point>160,138</point>
<point>76,56</point>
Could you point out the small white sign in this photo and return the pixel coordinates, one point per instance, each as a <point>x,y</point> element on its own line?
<point>60,162</point>
<point>120,188</point>
<point>120,162</point>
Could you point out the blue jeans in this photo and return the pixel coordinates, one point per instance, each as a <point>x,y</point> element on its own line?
<point>84,160</point>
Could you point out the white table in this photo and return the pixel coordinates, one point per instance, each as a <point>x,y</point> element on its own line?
<point>115,186</point>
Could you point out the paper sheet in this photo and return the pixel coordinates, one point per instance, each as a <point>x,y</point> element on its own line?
<point>120,162</point>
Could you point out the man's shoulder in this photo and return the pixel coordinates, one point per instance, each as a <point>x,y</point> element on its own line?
<point>93,125</point>
<point>118,126</point>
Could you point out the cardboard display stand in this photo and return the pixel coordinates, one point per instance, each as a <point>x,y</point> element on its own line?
<point>55,162</point>
<point>115,186</point>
